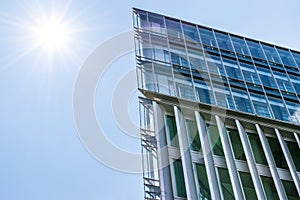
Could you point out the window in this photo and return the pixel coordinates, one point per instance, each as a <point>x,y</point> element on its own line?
<point>165,83</point>
<point>257,149</point>
<point>224,41</point>
<point>194,139</point>
<point>277,153</point>
<point>240,45</point>
<point>269,187</point>
<point>255,50</point>
<point>290,190</point>
<point>207,37</point>
<point>236,144</point>
<point>214,65</point>
<point>216,144</point>
<point>226,184</point>
<point>266,77</point>
<point>156,23</point>
<point>197,60</point>
<point>296,83</point>
<point>242,101</point>
<point>279,110</point>
<point>174,28</point>
<point>203,90</point>
<point>248,186</point>
<point>232,69</point>
<point>283,82</point>
<point>203,182</point>
<point>271,53</point>
<point>260,105</point>
<point>223,97</point>
<point>295,152</point>
<point>190,32</point>
<point>297,58</point>
<point>172,131</point>
<point>249,73</point>
<point>179,183</point>
<point>286,57</point>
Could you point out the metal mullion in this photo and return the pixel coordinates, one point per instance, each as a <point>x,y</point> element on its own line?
<point>208,157</point>
<point>271,163</point>
<point>289,160</point>
<point>233,173</point>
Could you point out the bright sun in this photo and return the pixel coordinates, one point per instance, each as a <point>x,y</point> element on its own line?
<point>52,34</point>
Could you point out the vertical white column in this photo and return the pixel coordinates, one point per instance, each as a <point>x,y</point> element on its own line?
<point>271,163</point>
<point>289,160</point>
<point>208,158</point>
<point>297,138</point>
<point>233,174</point>
<point>162,153</point>
<point>185,156</point>
<point>250,161</point>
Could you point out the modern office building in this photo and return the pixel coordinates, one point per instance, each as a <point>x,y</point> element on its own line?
<point>219,115</point>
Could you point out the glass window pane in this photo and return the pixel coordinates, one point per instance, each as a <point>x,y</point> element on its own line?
<point>172,131</point>
<point>214,65</point>
<point>240,46</point>
<point>242,101</point>
<point>255,50</point>
<point>271,54</point>
<point>295,153</point>
<point>156,23</point>
<point>194,138</point>
<point>203,182</point>
<point>236,144</point>
<point>248,186</point>
<point>297,58</point>
<point>249,73</point>
<point>286,57</point>
<point>257,149</point>
<point>232,69</point>
<point>223,97</point>
<point>190,32</point>
<point>215,140</point>
<point>269,187</point>
<point>165,82</point>
<point>179,179</point>
<point>224,41</point>
<point>197,60</point>
<point>279,110</point>
<point>266,77</point>
<point>203,91</point>
<point>260,105</point>
<point>226,184</point>
<point>277,153</point>
<point>290,190</point>
<point>207,37</point>
<point>174,28</point>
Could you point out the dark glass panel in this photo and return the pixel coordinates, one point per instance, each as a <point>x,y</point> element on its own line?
<point>240,46</point>
<point>172,131</point>
<point>179,179</point>
<point>248,186</point>
<point>224,41</point>
<point>190,32</point>
<point>226,184</point>
<point>257,149</point>
<point>203,182</point>
<point>271,53</point>
<point>195,144</point>
<point>290,190</point>
<point>269,187</point>
<point>207,37</point>
<point>255,50</point>
<point>295,153</point>
<point>277,153</point>
<point>286,57</point>
<point>236,144</point>
<point>215,140</point>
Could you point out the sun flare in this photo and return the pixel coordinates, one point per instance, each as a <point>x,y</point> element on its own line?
<point>52,34</point>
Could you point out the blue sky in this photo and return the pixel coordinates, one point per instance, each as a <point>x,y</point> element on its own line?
<point>41,154</point>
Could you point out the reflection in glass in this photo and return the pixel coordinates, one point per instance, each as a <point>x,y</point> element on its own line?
<point>203,182</point>
<point>173,28</point>
<point>248,186</point>
<point>242,101</point>
<point>190,32</point>
<point>223,41</point>
<point>226,184</point>
<point>260,105</point>
<point>179,183</point>
<point>257,149</point>
<point>194,139</point>
<point>203,91</point>
<point>279,110</point>
<point>215,140</point>
<point>269,187</point>
<point>271,53</point>
<point>172,131</point>
<point>286,57</point>
<point>255,50</point>
<point>240,45</point>
<point>207,37</point>
<point>236,144</point>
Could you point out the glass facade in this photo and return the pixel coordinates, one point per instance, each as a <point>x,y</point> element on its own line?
<point>252,76</point>
<point>194,75</point>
